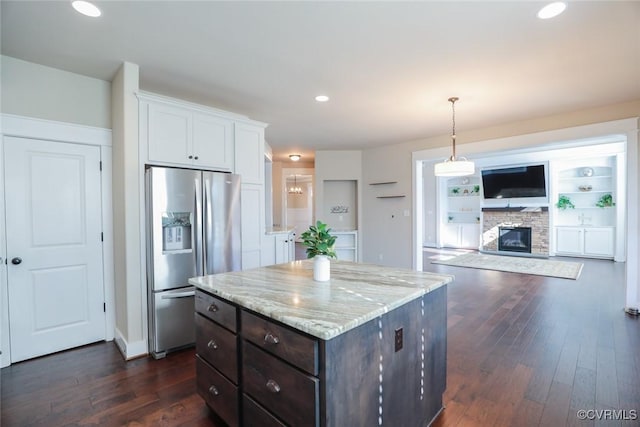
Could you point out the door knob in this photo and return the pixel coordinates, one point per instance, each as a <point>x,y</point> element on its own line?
<point>16,260</point>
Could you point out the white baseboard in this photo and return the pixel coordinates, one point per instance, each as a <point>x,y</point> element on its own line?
<point>130,350</point>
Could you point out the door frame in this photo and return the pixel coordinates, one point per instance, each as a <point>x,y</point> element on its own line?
<point>296,171</point>
<point>33,128</point>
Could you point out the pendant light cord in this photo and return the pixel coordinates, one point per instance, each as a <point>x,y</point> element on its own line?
<point>453,100</point>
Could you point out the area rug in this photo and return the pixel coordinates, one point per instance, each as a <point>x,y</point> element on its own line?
<point>515,264</point>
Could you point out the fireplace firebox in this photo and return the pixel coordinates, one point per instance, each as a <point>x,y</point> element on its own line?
<point>514,239</point>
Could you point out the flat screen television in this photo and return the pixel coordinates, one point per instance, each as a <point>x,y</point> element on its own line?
<point>515,182</point>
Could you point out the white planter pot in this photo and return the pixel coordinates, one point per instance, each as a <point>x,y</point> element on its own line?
<point>321,268</point>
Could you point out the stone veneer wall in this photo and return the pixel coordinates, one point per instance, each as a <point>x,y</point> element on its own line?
<point>492,218</point>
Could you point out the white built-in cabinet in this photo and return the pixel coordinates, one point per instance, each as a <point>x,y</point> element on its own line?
<point>461,212</point>
<point>595,242</point>
<point>278,247</point>
<point>460,235</point>
<point>249,164</point>
<point>181,134</point>
<point>284,247</point>
<point>183,137</point>
<point>584,207</point>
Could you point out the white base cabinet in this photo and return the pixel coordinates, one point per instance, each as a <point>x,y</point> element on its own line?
<point>463,236</point>
<point>284,248</point>
<point>278,248</point>
<point>592,242</point>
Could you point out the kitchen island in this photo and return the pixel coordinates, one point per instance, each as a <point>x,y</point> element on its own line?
<point>367,348</point>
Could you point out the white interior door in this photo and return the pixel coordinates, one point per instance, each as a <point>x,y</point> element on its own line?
<point>54,246</point>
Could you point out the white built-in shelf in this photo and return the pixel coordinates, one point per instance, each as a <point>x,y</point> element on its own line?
<point>399,196</point>
<point>383,183</point>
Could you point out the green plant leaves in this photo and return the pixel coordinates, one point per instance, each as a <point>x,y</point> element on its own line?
<point>319,240</point>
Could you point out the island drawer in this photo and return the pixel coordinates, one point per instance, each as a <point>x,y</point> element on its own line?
<point>219,393</point>
<point>254,415</point>
<point>216,309</point>
<point>297,349</point>
<point>217,346</point>
<point>279,387</point>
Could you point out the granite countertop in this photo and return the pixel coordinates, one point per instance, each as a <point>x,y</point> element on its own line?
<point>279,230</point>
<point>355,294</point>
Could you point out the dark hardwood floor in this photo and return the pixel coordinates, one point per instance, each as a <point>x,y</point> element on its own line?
<point>522,351</point>
<point>531,351</point>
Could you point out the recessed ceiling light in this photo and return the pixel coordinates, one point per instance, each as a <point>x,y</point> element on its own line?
<point>322,98</point>
<point>86,8</point>
<point>552,10</point>
<point>295,157</point>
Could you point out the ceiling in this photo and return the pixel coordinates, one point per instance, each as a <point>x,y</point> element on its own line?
<point>388,67</point>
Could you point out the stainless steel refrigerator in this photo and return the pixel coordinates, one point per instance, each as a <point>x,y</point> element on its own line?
<point>193,229</point>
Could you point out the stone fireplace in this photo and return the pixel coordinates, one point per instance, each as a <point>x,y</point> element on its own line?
<point>523,231</point>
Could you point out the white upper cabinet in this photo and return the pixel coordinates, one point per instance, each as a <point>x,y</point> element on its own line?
<point>181,135</point>
<point>249,153</point>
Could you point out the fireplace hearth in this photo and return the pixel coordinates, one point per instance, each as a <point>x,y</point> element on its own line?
<point>514,239</point>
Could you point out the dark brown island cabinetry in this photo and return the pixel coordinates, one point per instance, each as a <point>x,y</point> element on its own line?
<point>389,371</point>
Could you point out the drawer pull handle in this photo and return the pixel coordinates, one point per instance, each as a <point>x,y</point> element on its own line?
<point>212,307</point>
<point>214,390</point>
<point>271,339</point>
<point>212,344</point>
<point>273,386</point>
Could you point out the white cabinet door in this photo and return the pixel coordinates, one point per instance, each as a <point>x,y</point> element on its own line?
<point>569,240</point>
<point>598,241</point>
<point>249,153</point>
<point>169,131</point>
<point>282,248</point>
<point>469,236</point>
<point>252,213</point>
<point>450,235</point>
<point>212,142</point>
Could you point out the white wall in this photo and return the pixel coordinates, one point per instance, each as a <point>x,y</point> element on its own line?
<point>386,227</point>
<point>33,90</point>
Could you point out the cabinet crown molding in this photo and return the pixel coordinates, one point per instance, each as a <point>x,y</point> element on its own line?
<point>153,97</point>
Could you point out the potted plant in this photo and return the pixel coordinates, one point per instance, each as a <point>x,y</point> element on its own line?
<point>320,246</point>
<point>476,189</point>
<point>564,202</point>
<point>606,201</point>
<point>455,190</point>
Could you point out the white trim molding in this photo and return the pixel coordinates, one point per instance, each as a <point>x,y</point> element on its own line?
<point>29,127</point>
<point>130,350</point>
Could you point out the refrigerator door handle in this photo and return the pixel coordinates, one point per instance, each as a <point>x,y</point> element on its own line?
<point>175,295</point>
<point>197,229</point>
<point>206,213</point>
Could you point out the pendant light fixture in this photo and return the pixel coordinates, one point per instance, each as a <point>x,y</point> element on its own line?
<point>295,189</point>
<point>454,166</point>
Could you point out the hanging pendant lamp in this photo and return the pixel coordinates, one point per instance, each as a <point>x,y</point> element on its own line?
<point>454,166</point>
<point>295,189</point>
